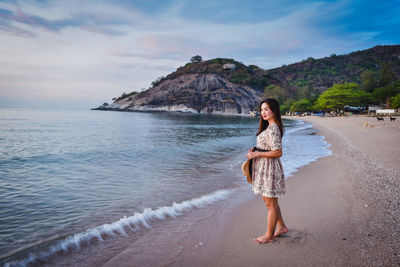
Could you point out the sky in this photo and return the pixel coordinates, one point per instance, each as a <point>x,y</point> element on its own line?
<point>80,54</point>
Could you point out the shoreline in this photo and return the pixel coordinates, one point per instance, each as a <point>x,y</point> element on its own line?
<point>340,210</point>
<point>174,112</point>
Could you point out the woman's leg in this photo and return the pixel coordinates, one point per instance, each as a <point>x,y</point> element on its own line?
<point>281,227</point>
<point>272,205</point>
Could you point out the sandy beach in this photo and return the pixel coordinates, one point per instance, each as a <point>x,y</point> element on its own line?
<point>341,210</point>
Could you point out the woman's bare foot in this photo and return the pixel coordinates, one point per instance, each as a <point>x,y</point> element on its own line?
<point>281,231</point>
<point>263,239</point>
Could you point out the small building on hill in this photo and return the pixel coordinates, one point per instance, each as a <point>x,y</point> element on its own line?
<point>229,66</point>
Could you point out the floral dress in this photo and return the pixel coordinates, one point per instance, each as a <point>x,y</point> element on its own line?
<point>268,176</point>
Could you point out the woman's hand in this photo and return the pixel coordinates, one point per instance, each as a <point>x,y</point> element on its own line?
<point>270,154</point>
<point>252,155</point>
<point>249,153</point>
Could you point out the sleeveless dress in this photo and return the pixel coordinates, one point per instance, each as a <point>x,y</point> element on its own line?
<point>268,176</point>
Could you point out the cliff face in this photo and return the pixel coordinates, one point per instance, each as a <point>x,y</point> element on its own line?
<point>196,93</point>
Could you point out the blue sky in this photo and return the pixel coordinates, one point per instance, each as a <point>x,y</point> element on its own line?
<point>83,53</point>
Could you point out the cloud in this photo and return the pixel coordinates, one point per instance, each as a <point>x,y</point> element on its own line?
<point>97,23</point>
<point>69,49</point>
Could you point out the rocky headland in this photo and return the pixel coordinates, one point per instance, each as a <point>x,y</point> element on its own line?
<point>196,93</point>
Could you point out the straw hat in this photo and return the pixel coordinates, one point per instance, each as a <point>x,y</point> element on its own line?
<point>246,170</point>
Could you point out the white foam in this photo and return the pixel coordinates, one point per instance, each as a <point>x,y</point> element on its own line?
<point>299,125</point>
<point>118,227</point>
<point>317,148</point>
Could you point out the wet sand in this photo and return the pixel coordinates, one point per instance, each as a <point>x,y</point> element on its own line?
<point>341,210</point>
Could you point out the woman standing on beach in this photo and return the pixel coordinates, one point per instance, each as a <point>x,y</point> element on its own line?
<point>268,177</point>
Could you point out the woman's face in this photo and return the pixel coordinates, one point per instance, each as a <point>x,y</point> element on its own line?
<point>266,113</point>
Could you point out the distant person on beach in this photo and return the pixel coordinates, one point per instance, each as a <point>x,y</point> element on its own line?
<point>268,178</point>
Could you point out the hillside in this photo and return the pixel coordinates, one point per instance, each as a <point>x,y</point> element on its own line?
<point>227,86</point>
<point>320,74</point>
<point>251,75</point>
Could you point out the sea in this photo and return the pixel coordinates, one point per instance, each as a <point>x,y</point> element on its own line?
<point>79,184</point>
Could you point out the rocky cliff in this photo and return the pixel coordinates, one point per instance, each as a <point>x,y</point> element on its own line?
<point>196,93</point>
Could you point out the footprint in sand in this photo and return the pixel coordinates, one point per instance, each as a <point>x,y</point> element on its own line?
<point>294,236</point>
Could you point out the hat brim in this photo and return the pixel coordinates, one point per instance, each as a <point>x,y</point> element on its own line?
<point>246,171</point>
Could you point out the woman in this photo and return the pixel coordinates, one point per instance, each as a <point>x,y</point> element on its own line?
<point>268,176</point>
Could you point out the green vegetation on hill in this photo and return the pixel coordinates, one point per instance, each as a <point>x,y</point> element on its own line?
<point>319,74</point>
<point>252,75</point>
<point>371,75</point>
<point>124,95</point>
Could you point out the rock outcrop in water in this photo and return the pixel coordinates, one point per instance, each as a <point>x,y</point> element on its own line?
<point>214,86</point>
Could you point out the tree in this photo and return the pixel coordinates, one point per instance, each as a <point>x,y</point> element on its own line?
<point>337,96</point>
<point>361,98</point>
<point>381,94</point>
<point>196,59</point>
<point>301,105</point>
<point>158,81</point>
<point>275,91</point>
<point>368,81</point>
<point>385,75</point>
<point>395,101</point>
<point>303,92</point>
<point>286,106</point>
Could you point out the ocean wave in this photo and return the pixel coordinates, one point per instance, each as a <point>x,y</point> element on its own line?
<point>132,223</point>
<point>318,148</point>
<point>300,128</point>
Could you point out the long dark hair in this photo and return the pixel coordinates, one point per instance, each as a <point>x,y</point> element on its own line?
<point>274,106</point>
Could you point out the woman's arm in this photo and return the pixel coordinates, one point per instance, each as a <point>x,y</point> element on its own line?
<point>268,154</point>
